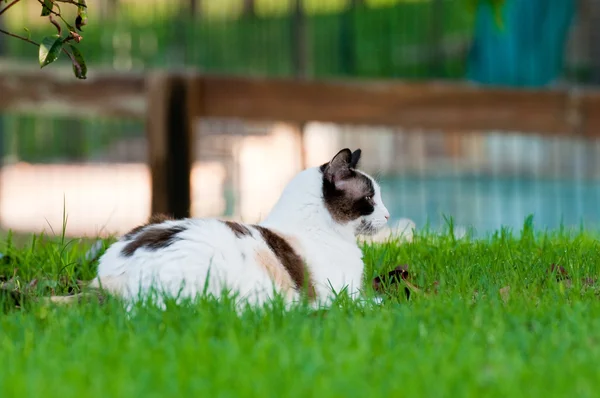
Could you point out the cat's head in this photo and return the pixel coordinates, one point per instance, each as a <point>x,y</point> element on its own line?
<point>351,196</point>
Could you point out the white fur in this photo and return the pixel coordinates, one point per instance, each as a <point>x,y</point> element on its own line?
<point>209,248</point>
<point>402,231</point>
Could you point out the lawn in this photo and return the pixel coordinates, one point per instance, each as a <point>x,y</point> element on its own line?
<point>489,319</point>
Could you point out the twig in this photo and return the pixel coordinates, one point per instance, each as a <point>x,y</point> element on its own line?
<point>19,37</point>
<point>8,6</point>
<point>56,24</point>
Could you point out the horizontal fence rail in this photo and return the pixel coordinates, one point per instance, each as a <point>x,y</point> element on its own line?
<point>171,102</point>
<point>427,105</point>
<point>108,94</point>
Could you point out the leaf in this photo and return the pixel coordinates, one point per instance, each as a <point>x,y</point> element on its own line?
<point>79,66</point>
<point>28,33</point>
<point>81,19</point>
<point>505,293</point>
<point>47,7</point>
<point>559,271</point>
<point>394,277</point>
<point>50,50</point>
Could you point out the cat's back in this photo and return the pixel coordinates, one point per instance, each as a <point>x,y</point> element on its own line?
<point>175,252</point>
<point>153,243</point>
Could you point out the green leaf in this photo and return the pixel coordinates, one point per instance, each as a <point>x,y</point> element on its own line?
<point>81,19</point>
<point>28,32</point>
<point>50,50</point>
<point>47,7</point>
<point>79,66</point>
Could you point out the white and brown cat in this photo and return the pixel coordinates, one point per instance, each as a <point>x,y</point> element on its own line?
<point>307,244</point>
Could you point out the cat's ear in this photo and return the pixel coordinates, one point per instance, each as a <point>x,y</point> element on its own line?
<point>339,167</point>
<point>355,158</point>
<point>341,159</point>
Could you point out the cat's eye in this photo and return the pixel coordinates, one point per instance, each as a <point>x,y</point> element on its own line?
<point>369,198</point>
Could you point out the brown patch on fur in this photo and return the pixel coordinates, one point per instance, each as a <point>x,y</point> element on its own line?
<point>290,260</point>
<point>133,232</point>
<point>274,268</point>
<point>157,218</point>
<point>153,238</point>
<point>238,229</point>
<point>294,243</point>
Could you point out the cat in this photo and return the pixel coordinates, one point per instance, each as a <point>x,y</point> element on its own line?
<point>306,247</point>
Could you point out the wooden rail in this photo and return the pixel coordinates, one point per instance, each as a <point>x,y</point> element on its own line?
<point>171,102</point>
<point>428,105</point>
<point>107,94</point>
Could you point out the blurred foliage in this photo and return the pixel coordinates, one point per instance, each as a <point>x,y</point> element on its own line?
<point>496,6</point>
<point>389,41</point>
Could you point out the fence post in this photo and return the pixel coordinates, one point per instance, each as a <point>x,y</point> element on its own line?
<point>169,129</point>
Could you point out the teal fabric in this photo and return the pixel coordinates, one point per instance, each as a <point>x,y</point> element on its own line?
<point>528,50</point>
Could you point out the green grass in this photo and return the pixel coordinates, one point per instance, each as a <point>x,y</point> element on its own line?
<point>466,339</point>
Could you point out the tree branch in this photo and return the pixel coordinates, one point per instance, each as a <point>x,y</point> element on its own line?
<point>8,6</point>
<point>56,24</point>
<point>74,55</point>
<point>73,60</point>
<point>19,37</point>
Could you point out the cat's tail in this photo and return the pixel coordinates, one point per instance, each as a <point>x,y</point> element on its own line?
<point>74,298</point>
<point>96,288</point>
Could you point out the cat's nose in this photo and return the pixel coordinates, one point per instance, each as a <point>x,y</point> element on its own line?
<point>387,215</point>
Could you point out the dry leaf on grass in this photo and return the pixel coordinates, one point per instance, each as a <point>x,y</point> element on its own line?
<point>505,293</point>
<point>392,280</point>
<point>397,278</point>
<point>563,276</point>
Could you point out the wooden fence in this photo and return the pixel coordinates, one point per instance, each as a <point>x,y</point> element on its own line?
<point>171,102</point>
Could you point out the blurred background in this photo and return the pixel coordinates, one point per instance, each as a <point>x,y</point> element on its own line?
<point>96,170</point>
